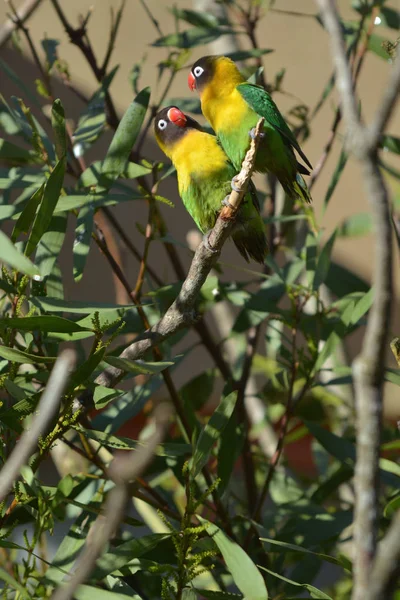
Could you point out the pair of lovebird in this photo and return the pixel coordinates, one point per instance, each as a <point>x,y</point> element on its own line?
<point>206,164</point>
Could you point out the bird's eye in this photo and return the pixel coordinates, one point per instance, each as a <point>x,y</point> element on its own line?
<point>197,71</point>
<point>162,124</point>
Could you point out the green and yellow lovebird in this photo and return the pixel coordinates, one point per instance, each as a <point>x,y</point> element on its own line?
<point>233,106</point>
<point>204,180</point>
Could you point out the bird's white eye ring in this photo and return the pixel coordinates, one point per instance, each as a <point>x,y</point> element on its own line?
<point>162,124</point>
<point>197,71</point>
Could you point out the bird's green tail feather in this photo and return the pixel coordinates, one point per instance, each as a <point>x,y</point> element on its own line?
<point>301,190</point>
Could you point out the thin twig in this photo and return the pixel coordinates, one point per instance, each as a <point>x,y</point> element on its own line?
<point>386,569</point>
<point>23,12</point>
<point>47,408</point>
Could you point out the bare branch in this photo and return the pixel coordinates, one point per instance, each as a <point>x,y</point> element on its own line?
<point>368,368</point>
<point>46,410</point>
<point>344,81</point>
<point>23,12</point>
<point>386,570</point>
<point>386,106</point>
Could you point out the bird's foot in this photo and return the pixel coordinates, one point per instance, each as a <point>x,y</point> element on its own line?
<point>225,202</point>
<point>234,186</point>
<point>206,242</point>
<point>252,134</point>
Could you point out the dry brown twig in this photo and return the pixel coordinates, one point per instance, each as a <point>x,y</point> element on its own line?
<point>368,368</point>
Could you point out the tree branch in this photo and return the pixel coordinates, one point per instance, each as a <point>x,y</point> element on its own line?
<point>368,368</point>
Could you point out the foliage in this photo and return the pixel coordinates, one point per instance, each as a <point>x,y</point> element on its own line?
<point>211,533</point>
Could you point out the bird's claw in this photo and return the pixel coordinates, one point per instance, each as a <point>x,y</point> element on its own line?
<point>206,242</point>
<point>234,186</point>
<point>225,202</point>
<point>252,134</point>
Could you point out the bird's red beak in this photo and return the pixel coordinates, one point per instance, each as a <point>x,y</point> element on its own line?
<point>177,117</point>
<point>191,81</point>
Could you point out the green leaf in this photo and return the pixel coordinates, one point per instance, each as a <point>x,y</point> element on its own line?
<point>284,546</point>
<point>311,257</point>
<point>137,366</point>
<point>44,323</point>
<point>83,238</point>
<point>342,281</point>
<point>11,256</point>
<point>314,592</point>
<point>241,55</point>
<point>336,176</point>
<point>244,572</point>
<point>47,205</point>
<point>50,47</point>
<point>362,306</point>
<point>392,507</point>
<point>355,225</point>
<point>50,245</point>
<point>7,578</point>
<point>80,307</point>
<point>212,431</point>
<point>198,19</point>
<point>25,219</point>
<point>12,154</point>
<point>376,44</point>
<point>390,17</point>
<point>124,138</point>
<point>93,119</point>
<point>198,36</point>
<point>125,552</point>
<point>327,351</point>
<point>14,355</point>
<point>58,124</point>
<point>391,143</point>
<point>86,370</point>
<point>94,200</point>
<point>87,592</point>
<point>324,261</point>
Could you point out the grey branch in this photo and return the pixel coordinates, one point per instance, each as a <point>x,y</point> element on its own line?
<point>386,570</point>
<point>182,312</point>
<point>123,470</point>
<point>368,368</point>
<point>46,410</point>
<point>24,12</point>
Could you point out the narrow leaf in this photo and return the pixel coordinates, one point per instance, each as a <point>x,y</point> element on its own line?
<point>336,176</point>
<point>25,219</point>
<point>124,138</point>
<point>244,572</point>
<point>11,256</point>
<point>212,431</point>
<point>137,366</point>
<point>58,124</point>
<point>14,355</point>
<point>46,208</point>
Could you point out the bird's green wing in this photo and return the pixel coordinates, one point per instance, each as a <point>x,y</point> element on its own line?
<point>261,102</point>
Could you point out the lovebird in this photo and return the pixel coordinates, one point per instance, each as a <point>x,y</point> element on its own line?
<point>204,180</point>
<point>233,106</point>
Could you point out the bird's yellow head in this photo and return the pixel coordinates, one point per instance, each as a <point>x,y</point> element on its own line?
<point>171,125</point>
<point>216,79</point>
<point>218,72</point>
